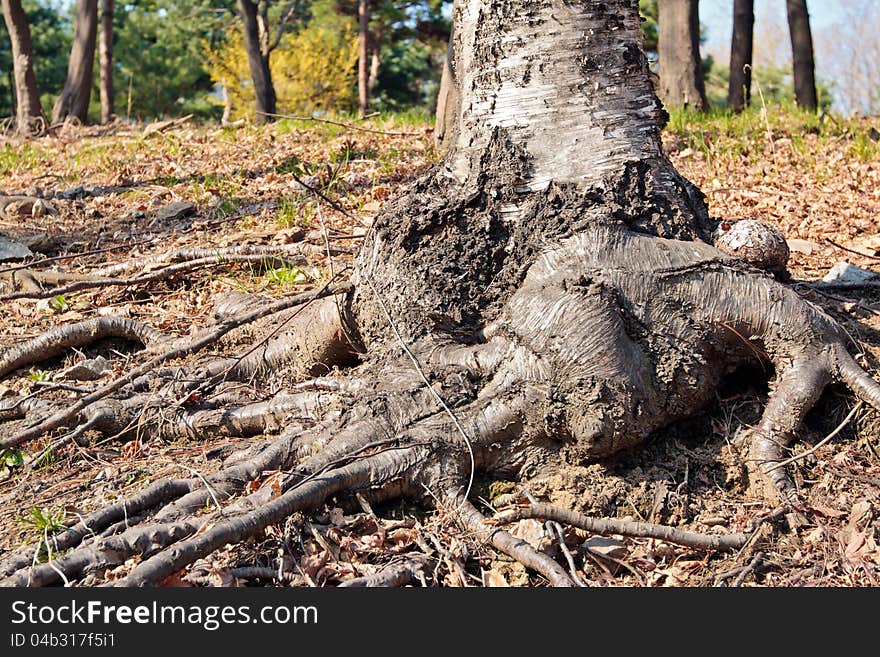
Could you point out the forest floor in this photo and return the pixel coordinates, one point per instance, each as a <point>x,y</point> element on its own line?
<point>816,178</point>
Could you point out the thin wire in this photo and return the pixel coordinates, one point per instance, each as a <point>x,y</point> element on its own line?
<point>436,395</point>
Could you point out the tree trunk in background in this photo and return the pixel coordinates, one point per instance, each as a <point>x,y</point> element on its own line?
<point>363,56</point>
<point>28,111</point>
<point>681,71</point>
<point>258,62</point>
<point>105,56</point>
<point>739,91</point>
<point>447,99</point>
<point>74,99</point>
<point>802,54</point>
<point>375,62</point>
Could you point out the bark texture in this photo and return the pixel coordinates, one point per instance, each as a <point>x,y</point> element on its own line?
<point>105,58</point>
<point>447,104</point>
<point>29,118</point>
<point>74,99</point>
<point>256,45</point>
<point>681,69</point>
<point>802,54</point>
<point>739,91</point>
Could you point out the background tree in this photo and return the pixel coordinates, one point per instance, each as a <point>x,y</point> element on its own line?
<point>159,59</point>
<point>74,98</point>
<point>29,114</point>
<point>105,61</point>
<point>681,69</point>
<point>802,54</point>
<point>363,56</point>
<point>740,83</point>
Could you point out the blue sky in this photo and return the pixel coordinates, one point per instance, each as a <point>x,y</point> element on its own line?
<point>716,16</point>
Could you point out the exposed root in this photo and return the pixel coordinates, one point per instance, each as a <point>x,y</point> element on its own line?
<point>514,547</point>
<point>80,334</point>
<point>608,527</point>
<point>406,571</point>
<point>208,337</point>
<point>79,283</point>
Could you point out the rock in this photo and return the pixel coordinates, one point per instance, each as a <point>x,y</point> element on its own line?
<point>844,272</point>
<point>88,370</point>
<point>606,547</point>
<point>10,250</point>
<point>176,210</point>
<point>758,243</point>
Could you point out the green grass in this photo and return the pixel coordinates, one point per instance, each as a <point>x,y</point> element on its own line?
<point>45,520</point>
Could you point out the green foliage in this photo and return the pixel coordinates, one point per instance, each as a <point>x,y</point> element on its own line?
<point>50,37</point>
<point>775,83</point>
<point>313,70</point>
<point>158,56</point>
<point>11,458</point>
<point>45,520</point>
<point>408,77</point>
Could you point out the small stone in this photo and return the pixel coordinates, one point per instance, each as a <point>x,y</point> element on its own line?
<point>803,246</point>
<point>88,370</point>
<point>606,547</point>
<point>844,272</point>
<point>176,210</point>
<point>10,250</point>
<point>756,242</point>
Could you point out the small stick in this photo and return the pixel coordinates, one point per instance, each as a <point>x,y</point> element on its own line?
<point>824,441</point>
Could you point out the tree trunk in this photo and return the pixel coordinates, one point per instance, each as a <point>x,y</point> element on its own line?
<point>375,62</point>
<point>564,119</point>
<point>739,92</point>
<point>802,54</point>
<point>105,56</point>
<point>447,101</point>
<point>363,56</point>
<point>74,99</point>
<point>681,70</point>
<point>28,112</point>
<point>258,61</point>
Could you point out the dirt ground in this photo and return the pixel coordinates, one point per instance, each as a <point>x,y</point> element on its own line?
<point>818,182</point>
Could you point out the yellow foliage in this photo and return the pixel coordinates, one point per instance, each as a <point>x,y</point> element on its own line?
<point>311,70</point>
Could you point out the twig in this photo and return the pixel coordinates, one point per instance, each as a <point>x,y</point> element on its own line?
<point>824,441</point>
<point>844,248</point>
<point>157,275</point>
<point>753,565</point>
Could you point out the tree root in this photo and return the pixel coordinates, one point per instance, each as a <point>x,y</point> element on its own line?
<point>208,337</point>
<point>80,334</point>
<point>407,571</point>
<point>35,290</point>
<point>607,527</point>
